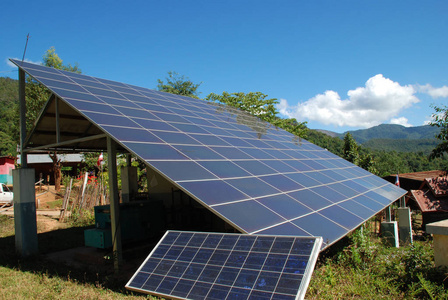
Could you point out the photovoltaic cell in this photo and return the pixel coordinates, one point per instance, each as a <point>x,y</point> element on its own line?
<point>197,265</point>
<point>225,158</point>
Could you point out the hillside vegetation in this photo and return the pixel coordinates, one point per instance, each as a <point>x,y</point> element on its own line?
<point>8,106</point>
<point>392,137</point>
<point>386,161</point>
<point>393,131</point>
<point>411,145</point>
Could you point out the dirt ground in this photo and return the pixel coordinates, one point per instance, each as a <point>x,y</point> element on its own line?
<point>45,195</point>
<point>48,209</point>
<point>48,205</point>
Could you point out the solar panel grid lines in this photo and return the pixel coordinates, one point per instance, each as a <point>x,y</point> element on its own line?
<point>75,87</point>
<point>224,158</point>
<point>192,265</point>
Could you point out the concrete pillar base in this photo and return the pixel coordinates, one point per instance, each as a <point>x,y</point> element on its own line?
<point>439,230</point>
<point>25,212</point>
<point>405,226</point>
<point>389,232</point>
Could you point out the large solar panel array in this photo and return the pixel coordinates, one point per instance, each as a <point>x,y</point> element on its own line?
<point>258,178</point>
<point>196,265</point>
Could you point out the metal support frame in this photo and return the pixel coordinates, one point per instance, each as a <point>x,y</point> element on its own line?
<point>402,202</point>
<point>128,159</point>
<point>85,139</point>
<point>114,203</point>
<point>22,103</point>
<point>58,131</point>
<point>388,214</point>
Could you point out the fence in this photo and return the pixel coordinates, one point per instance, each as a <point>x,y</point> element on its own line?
<point>83,196</point>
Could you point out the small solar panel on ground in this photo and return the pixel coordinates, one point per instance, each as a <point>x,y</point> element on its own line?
<point>198,265</point>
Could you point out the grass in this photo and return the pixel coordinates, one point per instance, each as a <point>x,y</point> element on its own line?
<point>37,278</point>
<point>359,267</point>
<point>54,204</point>
<point>19,284</point>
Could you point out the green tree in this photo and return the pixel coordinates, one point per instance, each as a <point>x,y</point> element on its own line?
<point>351,149</point>
<point>333,144</point>
<point>254,103</point>
<point>179,85</point>
<point>8,145</point>
<point>440,120</point>
<point>37,94</point>
<point>260,106</point>
<point>8,104</point>
<point>367,162</point>
<point>357,155</point>
<point>293,126</point>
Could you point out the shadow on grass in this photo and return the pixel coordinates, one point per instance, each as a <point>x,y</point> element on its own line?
<point>60,240</point>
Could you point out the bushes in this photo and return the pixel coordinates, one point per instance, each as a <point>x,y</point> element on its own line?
<point>365,268</point>
<point>81,217</point>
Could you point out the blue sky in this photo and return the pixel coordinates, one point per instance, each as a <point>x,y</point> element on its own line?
<point>339,65</point>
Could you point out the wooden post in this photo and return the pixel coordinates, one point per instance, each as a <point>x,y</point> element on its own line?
<point>66,200</point>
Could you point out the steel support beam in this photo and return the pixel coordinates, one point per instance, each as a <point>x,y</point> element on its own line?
<point>84,139</point>
<point>402,202</point>
<point>58,131</point>
<point>22,107</point>
<point>114,203</point>
<point>388,214</point>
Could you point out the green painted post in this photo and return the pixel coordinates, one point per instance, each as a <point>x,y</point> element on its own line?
<point>25,212</point>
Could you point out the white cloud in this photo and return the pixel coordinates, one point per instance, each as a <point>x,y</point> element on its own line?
<point>380,100</point>
<point>435,93</point>
<point>10,64</point>
<point>401,121</point>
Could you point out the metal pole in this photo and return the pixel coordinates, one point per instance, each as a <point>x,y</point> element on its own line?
<point>388,214</point>
<point>128,160</point>
<point>58,132</point>
<point>22,107</point>
<point>114,203</point>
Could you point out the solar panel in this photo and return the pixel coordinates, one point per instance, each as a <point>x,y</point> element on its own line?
<point>196,265</point>
<point>258,178</point>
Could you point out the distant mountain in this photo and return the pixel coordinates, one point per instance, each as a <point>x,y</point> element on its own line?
<point>416,145</point>
<point>391,137</point>
<point>393,131</point>
<point>329,133</point>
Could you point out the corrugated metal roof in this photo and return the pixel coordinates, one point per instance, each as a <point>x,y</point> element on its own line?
<point>45,158</point>
<point>422,175</point>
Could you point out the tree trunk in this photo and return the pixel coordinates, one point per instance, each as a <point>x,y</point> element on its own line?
<point>57,176</point>
<point>57,170</point>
